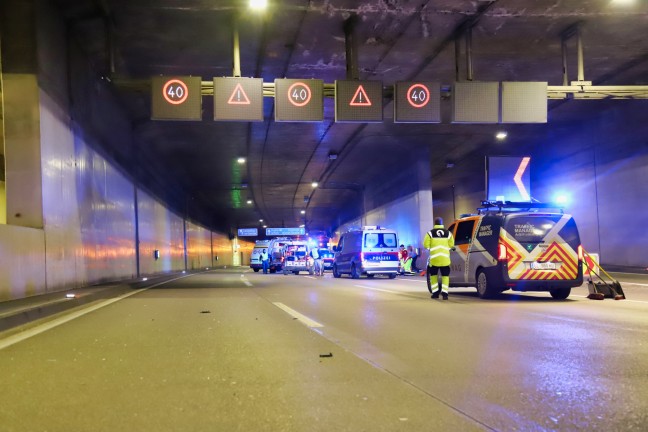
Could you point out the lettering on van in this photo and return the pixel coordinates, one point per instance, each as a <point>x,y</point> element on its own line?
<point>524,230</point>
<point>485,230</point>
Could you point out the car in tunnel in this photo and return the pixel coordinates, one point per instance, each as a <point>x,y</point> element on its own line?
<point>327,258</point>
<point>517,246</point>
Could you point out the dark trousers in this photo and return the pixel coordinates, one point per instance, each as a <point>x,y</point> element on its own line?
<point>434,271</point>
<point>265,266</point>
<point>414,268</point>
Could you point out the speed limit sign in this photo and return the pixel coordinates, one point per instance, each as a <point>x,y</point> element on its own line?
<point>417,102</point>
<point>299,100</point>
<point>176,98</point>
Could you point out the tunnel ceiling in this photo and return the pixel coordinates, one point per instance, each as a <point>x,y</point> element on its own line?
<point>193,165</point>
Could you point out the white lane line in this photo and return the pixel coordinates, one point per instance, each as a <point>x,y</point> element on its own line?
<point>302,318</point>
<point>400,293</point>
<point>57,322</point>
<point>377,289</point>
<point>11,340</point>
<point>633,283</point>
<point>247,282</point>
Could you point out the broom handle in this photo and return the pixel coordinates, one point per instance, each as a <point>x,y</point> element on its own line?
<point>597,265</point>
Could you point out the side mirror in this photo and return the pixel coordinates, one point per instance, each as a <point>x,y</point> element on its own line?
<point>453,249</point>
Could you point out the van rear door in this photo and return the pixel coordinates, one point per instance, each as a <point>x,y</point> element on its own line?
<point>379,250</point>
<point>541,247</point>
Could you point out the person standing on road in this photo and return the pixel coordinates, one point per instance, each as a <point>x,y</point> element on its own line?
<point>264,261</point>
<point>411,252</point>
<point>317,262</point>
<point>439,241</point>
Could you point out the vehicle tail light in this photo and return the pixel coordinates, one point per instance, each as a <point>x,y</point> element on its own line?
<point>361,256</point>
<point>501,252</point>
<point>580,252</point>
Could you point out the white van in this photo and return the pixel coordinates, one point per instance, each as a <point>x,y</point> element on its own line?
<point>273,248</point>
<point>517,246</point>
<point>255,257</point>
<point>371,250</point>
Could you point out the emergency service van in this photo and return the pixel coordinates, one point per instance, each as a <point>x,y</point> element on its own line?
<point>371,250</point>
<point>296,258</point>
<point>273,248</point>
<point>517,246</point>
<point>255,258</point>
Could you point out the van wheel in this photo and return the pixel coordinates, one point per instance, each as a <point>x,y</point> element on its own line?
<point>370,276</point>
<point>336,273</point>
<point>256,270</point>
<point>560,294</point>
<point>355,274</point>
<point>484,287</point>
<point>285,272</point>
<point>392,275</point>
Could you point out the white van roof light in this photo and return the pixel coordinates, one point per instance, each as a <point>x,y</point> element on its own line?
<point>372,227</point>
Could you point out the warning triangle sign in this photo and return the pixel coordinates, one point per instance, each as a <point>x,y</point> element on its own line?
<point>238,96</point>
<point>360,98</point>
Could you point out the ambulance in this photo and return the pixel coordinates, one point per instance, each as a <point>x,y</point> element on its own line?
<point>273,248</point>
<point>516,246</point>
<point>369,251</point>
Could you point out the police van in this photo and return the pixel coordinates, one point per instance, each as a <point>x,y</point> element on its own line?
<point>517,246</point>
<point>371,250</point>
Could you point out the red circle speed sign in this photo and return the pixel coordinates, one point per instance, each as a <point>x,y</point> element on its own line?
<point>418,95</point>
<point>299,94</point>
<point>175,92</point>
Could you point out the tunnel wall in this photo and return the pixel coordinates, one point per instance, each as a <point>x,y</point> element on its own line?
<point>162,230</point>
<point>89,220</point>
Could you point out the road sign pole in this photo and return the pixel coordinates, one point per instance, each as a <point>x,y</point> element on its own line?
<point>236,48</point>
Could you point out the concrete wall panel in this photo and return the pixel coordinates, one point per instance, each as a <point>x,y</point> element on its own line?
<point>199,247</point>
<point>159,229</point>
<point>22,262</point>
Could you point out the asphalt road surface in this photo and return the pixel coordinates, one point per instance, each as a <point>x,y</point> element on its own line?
<point>233,350</point>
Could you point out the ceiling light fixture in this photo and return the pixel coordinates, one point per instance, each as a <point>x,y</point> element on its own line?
<point>258,4</point>
<point>241,160</point>
<point>260,220</point>
<point>303,212</point>
<point>249,201</point>
<point>314,184</point>
<point>501,135</point>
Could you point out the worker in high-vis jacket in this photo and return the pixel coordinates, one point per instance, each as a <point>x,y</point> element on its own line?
<point>438,241</point>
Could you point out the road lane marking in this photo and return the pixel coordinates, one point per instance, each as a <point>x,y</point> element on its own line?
<point>11,340</point>
<point>633,283</point>
<point>62,320</point>
<point>389,291</point>
<point>302,318</point>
